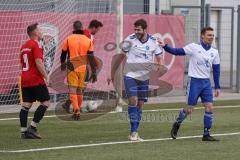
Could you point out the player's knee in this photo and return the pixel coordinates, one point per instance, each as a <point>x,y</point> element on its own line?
<point>208,107</point>
<point>27,105</point>
<point>46,103</point>
<point>189,110</point>
<point>25,108</point>
<point>140,104</point>
<point>132,101</point>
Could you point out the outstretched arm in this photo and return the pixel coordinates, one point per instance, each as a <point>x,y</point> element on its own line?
<point>174,51</point>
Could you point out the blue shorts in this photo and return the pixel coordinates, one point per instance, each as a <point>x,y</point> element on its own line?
<point>199,88</point>
<point>134,87</point>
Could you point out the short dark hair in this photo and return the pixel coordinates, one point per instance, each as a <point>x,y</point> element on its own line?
<point>95,23</point>
<point>31,28</point>
<point>205,29</point>
<point>141,22</point>
<point>77,25</point>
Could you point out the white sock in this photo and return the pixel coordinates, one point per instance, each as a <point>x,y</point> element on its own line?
<point>33,124</point>
<point>23,129</point>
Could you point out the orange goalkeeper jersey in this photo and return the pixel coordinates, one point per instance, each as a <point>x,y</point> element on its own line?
<point>78,46</point>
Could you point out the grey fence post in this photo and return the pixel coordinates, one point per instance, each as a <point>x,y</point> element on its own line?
<point>238,52</point>
<point>202,13</point>
<point>232,45</point>
<point>208,14</point>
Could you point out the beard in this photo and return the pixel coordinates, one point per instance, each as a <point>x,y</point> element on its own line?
<point>140,35</point>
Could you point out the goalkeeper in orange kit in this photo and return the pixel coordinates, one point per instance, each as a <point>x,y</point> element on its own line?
<point>78,50</point>
<point>93,28</point>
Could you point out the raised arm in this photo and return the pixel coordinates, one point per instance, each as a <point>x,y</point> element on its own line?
<point>169,49</point>
<point>174,51</point>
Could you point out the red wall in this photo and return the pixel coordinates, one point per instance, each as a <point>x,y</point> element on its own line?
<point>13,35</point>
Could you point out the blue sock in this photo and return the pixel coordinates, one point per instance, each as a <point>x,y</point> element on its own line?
<point>139,111</point>
<point>208,120</point>
<point>133,117</point>
<point>182,115</point>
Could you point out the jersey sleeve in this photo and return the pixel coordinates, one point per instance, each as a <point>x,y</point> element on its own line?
<point>87,33</point>
<point>216,59</point>
<point>65,45</point>
<point>189,49</point>
<point>91,47</point>
<point>37,51</point>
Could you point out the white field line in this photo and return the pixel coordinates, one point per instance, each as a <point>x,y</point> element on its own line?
<point>156,110</point>
<point>109,143</point>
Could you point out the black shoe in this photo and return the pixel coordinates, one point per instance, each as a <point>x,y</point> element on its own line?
<point>174,131</point>
<point>76,116</point>
<point>26,135</point>
<point>66,106</point>
<point>33,131</point>
<point>209,138</point>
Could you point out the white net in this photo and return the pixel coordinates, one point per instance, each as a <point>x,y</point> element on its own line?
<point>55,18</point>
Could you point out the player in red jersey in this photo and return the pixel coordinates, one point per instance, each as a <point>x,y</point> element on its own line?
<point>33,82</point>
<point>93,28</point>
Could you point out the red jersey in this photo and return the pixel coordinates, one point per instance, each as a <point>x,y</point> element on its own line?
<point>87,33</point>
<point>30,76</point>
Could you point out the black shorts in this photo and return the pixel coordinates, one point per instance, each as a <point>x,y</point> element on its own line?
<point>36,93</point>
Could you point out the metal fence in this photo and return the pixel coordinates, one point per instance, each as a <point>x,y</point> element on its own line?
<point>238,52</point>
<point>222,20</point>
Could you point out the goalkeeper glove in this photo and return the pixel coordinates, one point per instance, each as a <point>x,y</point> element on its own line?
<point>70,66</point>
<point>63,66</point>
<point>94,77</point>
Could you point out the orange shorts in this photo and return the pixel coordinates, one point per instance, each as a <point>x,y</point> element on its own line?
<point>76,79</point>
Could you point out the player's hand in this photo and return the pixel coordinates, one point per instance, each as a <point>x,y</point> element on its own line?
<point>217,93</point>
<point>63,66</point>
<point>46,79</point>
<point>70,66</point>
<point>160,68</point>
<point>160,42</point>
